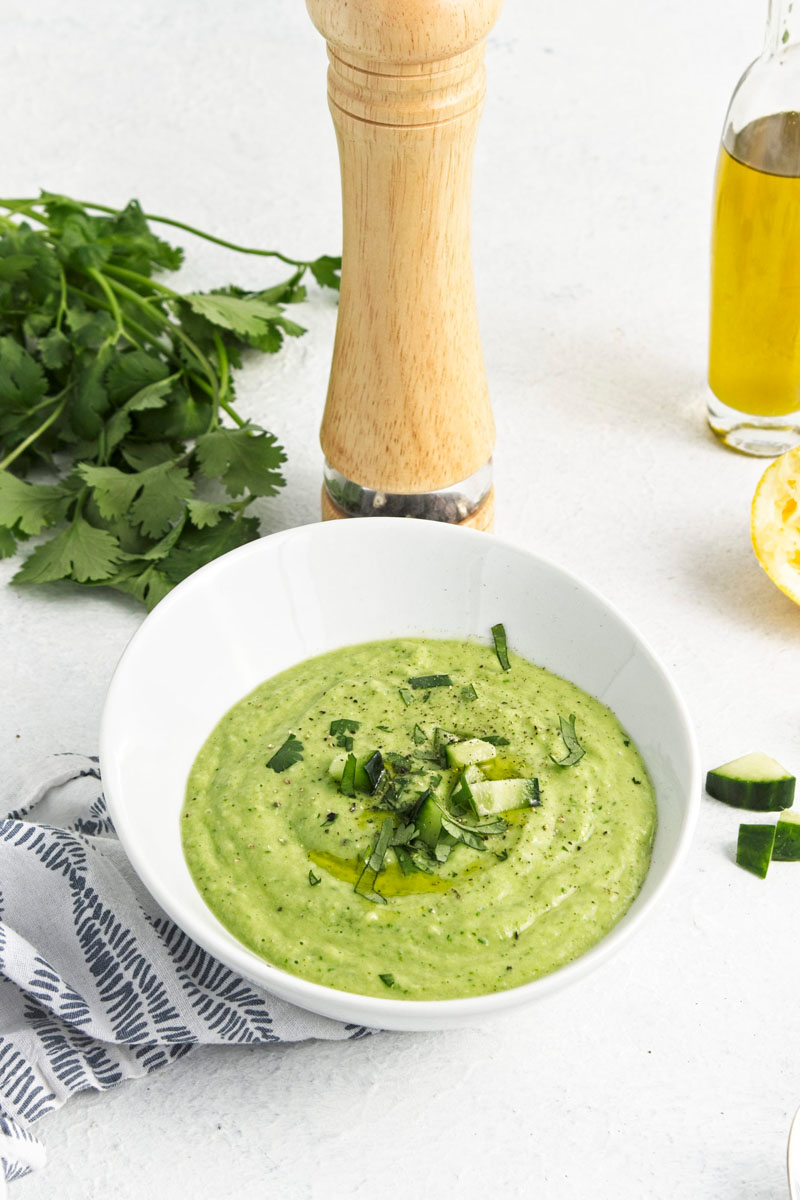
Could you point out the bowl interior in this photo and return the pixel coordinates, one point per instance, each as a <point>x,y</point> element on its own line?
<point>295,594</point>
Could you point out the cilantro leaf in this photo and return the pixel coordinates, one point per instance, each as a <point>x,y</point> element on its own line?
<point>287,755</point>
<point>204,514</point>
<point>246,459</point>
<point>54,349</point>
<point>327,271</point>
<point>8,544</point>
<point>31,506</point>
<point>152,498</point>
<point>22,380</point>
<point>132,371</point>
<point>80,551</point>
<point>246,316</point>
<point>196,547</point>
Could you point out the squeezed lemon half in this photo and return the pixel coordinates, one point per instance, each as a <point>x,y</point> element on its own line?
<point>775,522</point>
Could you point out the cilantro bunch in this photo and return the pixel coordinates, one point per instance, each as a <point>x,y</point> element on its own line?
<point>114,394</point>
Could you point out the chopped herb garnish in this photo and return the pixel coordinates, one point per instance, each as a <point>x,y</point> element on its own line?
<point>430,681</point>
<point>406,696</point>
<point>387,979</point>
<point>501,855</point>
<point>403,835</point>
<point>313,879</point>
<point>468,692</point>
<point>287,755</point>
<point>342,729</point>
<point>348,782</point>
<point>461,795</point>
<point>365,885</point>
<point>435,780</point>
<point>384,728</point>
<point>405,860</point>
<point>575,750</point>
<point>419,736</point>
<point>443,737</point>
<point>495,739</point>
<point>344,725</point>
<point>501,648</point>
<point>401,763</point>
<point>374,770</point>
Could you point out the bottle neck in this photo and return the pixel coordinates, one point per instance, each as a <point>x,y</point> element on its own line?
<point>783,26</point>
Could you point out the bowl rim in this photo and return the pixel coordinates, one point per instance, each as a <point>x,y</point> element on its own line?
<point>334,1002</point>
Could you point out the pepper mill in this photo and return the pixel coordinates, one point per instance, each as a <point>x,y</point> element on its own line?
<point>408,428</point>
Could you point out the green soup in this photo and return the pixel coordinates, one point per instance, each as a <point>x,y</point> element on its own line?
<point>278,854</point>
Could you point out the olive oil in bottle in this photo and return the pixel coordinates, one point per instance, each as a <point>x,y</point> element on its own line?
<point>754,347</point>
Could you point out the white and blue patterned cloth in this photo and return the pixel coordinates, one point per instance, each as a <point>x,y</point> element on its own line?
<point>97,984</point>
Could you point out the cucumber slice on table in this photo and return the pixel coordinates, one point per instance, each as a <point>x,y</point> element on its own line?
<point>754,848</point>
<point>787,838</point>
<point>465,754</point>
<point>753,781</point>
<point>501,795</point>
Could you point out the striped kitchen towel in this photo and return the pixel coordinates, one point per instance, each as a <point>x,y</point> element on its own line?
<point>97,984</point>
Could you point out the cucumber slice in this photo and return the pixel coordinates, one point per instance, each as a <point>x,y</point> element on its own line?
<point>754,848</point>
<point>753,781</point>
<point>501,795</point>
<point>465,754</point>
<point>336,771</point>
<point>429,822</point>
<point>787,838</point>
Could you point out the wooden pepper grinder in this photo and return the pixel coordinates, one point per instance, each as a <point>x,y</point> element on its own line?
<point>408,428</point>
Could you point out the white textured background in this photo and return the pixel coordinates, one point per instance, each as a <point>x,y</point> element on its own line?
<point>673,1071</point>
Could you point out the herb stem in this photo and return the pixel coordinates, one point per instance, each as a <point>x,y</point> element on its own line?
<point>105,288</point>
<point>31,438</point>
<point>144,280</point>
<point>145,334</point>
<point>27,205</point>
<point>146,305</point>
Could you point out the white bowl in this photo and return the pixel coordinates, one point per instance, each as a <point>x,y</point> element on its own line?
<point>280,600</point>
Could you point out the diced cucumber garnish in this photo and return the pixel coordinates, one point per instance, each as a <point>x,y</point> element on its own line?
<point>361,781</point>
<point>754,848</point>
<point>429,822</point>
<point>465,754</point>
<point>787,838</point>
<point>753,781</point>
<point>336,769</point>
<point>501,795</point>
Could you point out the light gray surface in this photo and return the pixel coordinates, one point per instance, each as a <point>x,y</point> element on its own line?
<point>674,1070</point>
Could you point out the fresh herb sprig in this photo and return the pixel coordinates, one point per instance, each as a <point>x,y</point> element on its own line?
<point>114,390</point>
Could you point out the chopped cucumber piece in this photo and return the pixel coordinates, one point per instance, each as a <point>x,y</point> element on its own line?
<point>336,769</point>
<point>787,838</point>
<point>501,795</point>
<point>754,848</point>
<point>465,754</point>
<point>753,781</point>
<point>429,822</point>
<point>361,779</point>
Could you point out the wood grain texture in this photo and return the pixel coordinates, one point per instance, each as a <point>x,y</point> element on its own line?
<point>408,404</point>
